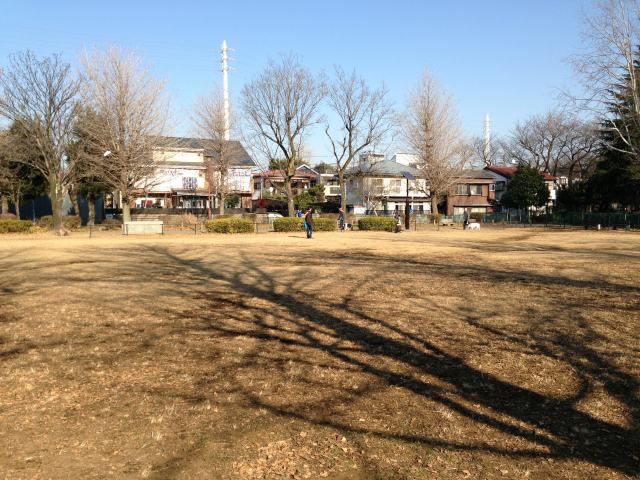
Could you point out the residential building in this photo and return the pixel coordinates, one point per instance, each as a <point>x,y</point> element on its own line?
<point>503,175</point>
<point>375,183</point>
<point>271,182</point>
<point>474,191</point>
<point>181,179</point>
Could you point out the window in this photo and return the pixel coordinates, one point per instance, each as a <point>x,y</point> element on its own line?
<point>461,189</point>
<point>396,184</point>
<point>189,183</point>
<point>475,189</point>
<point>492,187</point>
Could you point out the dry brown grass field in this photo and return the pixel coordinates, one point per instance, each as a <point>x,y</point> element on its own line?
<point>430,355</point>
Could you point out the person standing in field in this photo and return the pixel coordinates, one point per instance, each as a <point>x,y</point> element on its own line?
<point>308,221</point>
<point>341,219</point>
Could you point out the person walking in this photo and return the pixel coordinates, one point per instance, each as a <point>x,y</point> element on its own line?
<point>308,220</point>
<point>465,219</point>
<point>341,219</point>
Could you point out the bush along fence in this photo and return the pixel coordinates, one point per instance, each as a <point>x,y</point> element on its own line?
<point>230,225</point>
<point>386,224</point>
<point>293,224</point>
<point>15,226</point>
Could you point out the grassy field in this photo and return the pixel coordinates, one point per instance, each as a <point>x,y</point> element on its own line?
<point>448,355</point>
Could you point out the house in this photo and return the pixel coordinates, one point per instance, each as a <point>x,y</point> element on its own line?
<point>473,190</point>
<point>271,182</point>
<point>181,179</point>
<point>503,175</point>
<point>377,184</point>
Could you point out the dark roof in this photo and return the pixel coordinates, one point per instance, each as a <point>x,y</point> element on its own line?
<point>508,172</point>
<point>238,156</point>
<point>383,168</point>
<point>475,174</point>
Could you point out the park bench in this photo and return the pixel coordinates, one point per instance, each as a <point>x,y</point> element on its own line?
<point>142,227</point>
<point>446,222</point>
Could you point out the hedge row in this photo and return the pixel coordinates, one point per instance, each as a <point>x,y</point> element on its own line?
<point>15,226</point>
<point>229,225</point>
<point>294,224</point>
<point>387,224</point>
<point>69,222</point>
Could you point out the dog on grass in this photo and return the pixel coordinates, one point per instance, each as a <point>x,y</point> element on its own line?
<point>473,226</point>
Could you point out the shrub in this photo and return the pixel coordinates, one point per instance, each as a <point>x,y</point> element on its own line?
<point>325,224</point>
<point>229,225</point>
<point>288,224</point>
<point>15,226</point>
<point>8,216</point>
<point>477,216</point>
<point>387,224</point>
<point>434,218</point>
<point>294,224</point>
<point>70,222</point>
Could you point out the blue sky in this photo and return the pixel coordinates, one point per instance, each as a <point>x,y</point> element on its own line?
<point>507,58</point>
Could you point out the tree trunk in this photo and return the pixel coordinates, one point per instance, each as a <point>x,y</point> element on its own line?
<point>57,197</point>
<point>126,210</point>
<point>16,204</point>
<point>343,191</point>
<point>434,204</point>
<point>5,205</point>
<point>74,201</point>
<point>91,202</point>
<point>289,192</point>
<point>221,206</point>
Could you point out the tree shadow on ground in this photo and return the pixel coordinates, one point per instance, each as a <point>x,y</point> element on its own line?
<point>552,427</point>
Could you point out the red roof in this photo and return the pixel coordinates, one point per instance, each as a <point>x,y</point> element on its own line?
<point>508,172</point>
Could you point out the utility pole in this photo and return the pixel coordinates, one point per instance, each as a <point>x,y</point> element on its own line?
<point>487,140</point>
<point>225,87</point>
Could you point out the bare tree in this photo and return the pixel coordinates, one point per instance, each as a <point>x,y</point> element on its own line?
<point>483,155</point>
<point>131,115</point>
<point>432,131</point>
<point>40,96</point>
<point>364,117</point>
<point>280,105</point>
<point>556,142</point>
<point>209,119</point>
<point>580,152</point>
<point>539,141</point>
<point>609,69</point>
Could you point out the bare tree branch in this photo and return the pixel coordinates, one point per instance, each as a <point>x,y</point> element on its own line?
<point>131,115</point>
<point>280,105</point>
<point>432,132</point>
<point>40,97</point>
<point>364,117</point>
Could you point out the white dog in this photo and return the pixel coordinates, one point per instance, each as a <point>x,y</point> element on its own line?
<point>473,226</point>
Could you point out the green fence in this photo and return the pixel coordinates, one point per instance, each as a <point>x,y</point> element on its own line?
<point>576,219</point>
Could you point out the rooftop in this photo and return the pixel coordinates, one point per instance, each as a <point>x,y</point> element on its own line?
<point>508,172</point>
<point>238,156</point>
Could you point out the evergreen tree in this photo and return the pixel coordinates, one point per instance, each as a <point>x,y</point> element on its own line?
<point>527,188</point>
<point>615,183</point>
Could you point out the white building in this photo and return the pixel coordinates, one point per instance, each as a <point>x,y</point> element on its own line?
<point>375,183</point>
<point>181,175</point>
